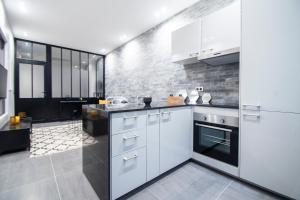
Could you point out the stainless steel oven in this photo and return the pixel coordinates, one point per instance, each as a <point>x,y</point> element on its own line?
<point>217,137</point>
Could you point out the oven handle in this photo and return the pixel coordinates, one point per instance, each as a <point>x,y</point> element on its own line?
<point>213,127</point>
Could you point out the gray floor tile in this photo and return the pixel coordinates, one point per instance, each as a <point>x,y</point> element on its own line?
<point>67,161</point>
<point>238,190</point>
<point>75,186</point>
<point>189,182</point>
<point>143,195</point>
<point>41,190</point>
<point>13,157</point>
<point>24,171</point>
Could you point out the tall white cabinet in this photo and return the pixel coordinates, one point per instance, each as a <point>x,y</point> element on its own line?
<point>270,108</point>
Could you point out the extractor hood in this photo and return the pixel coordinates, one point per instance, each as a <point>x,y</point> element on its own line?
<point>221,57</point>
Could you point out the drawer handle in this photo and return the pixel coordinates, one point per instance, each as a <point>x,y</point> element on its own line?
<point>130,158</point>
<point>155,114</point>
<point>165,113</point>
<point>248,107</point>
<point>133,117</point>
<point>251,115</point>
<point>132,137</point>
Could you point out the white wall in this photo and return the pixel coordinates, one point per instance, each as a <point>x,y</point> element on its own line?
<point>9,64</point>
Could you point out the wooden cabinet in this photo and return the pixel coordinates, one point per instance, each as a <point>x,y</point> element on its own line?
<point>153,118</point>
<point>175,137</point>
<point>269,151</point>
<point>186,43</point>
<point>221,30</point>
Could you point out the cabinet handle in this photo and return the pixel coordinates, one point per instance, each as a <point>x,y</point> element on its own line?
<point>130,158</point>
<point>133,117</point>
<point>252,115</point>
<point>165,113</point>
<point>257,107</point>
<point>155,114</point>
<point>132,137</point>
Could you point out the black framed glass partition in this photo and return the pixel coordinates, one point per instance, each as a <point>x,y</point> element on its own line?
<point>49,74</point>
<point>76,74</point>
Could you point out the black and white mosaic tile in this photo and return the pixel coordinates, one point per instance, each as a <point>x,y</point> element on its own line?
<point>55,137</point>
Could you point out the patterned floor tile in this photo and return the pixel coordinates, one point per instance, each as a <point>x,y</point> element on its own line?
<point>54,138</point>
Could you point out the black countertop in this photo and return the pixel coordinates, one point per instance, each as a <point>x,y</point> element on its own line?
<point>154,105</point>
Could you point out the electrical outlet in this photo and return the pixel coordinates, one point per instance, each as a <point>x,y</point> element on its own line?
<point>199,89</point>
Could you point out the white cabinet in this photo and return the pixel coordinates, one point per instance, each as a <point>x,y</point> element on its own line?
<point>269,84</point>
<point>186,43</point>
<point>213,35</point>
<point>175,137</point>
<point>270,54</point>
<point>153,117</point>
<point>128,172</point>
<point>270,151</point>
<point>145,144</point>
<point>221,30</point>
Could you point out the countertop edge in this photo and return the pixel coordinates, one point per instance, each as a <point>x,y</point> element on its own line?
<point>162,107</point>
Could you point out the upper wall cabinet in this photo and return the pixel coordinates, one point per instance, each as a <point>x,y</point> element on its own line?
<point>214,39</point>
<point>221,30</point>
<point>186,43</point>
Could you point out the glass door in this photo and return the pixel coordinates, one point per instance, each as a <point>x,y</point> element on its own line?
<point>31,80</point>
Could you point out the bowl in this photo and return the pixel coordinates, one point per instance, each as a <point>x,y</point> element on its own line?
<point>147,100</point>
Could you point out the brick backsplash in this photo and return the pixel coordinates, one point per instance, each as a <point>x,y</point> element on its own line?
<point>143,66</point>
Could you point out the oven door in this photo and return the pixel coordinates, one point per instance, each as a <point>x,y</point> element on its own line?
<point>216,141</point>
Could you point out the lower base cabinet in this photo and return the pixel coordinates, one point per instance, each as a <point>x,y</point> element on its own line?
<point>175,137</point>
<point>136,161</point>
<point>270,151</point>
<point>128,172</point>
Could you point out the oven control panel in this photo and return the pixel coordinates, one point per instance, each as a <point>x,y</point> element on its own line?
<point>217,119</point>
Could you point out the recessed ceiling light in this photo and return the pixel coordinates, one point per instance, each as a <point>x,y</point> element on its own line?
<point>22,7</point>
<point>103,50</point>
<point>161,12</point>
<point>123,38</point>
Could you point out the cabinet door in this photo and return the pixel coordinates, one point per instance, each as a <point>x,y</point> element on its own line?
<point>175,137</point>
<point>270,151</point>
<point>186,42</point>
<point>270,54</point>
<point>153,117</point>
<point>221,30</point>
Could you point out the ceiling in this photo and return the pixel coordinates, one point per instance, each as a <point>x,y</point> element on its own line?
<point>97,26</point>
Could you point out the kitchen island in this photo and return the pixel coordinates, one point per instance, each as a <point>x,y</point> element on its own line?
<point>136,144</point>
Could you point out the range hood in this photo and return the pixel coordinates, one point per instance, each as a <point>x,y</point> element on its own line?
<point>221,57</point>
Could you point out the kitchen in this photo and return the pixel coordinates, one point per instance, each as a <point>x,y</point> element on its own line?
<point>203,104</point>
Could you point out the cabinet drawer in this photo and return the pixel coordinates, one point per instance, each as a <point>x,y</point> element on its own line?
<point>128,141</point>
<point>128,172</point>
<point>128,121</point>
